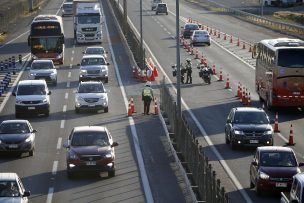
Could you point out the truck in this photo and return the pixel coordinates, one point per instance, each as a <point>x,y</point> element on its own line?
<point>279,3</point>
<point>296,192</point>
<point>88,21</point>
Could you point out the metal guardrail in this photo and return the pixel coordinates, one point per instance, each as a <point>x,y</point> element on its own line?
<point>203,178</point>
<point>13,11</point>
<point>295,30</point>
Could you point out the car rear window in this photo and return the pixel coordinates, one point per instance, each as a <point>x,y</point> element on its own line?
<point>94,51</point>
<point>191,27</point>
<point>278,159</point>
<point>90,138</point>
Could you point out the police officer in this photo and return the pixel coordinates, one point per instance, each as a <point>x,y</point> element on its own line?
<point>147,96</point>
<point>183,71</point>
<point>189,70</point>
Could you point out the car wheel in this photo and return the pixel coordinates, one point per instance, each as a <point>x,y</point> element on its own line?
<point>167,13</point>
<point>55,83</point>
<point>208,44</point>
<point>227,140</point>
<point>106,80</point>
<point>251,184</point>
<point>70,174</point>
<point>17,114</point>
<point>80,80</point>
<point>258,190</point>
<point>232,144</point>
<point>47,114</point>
<point>111,173</point>
<point>106,110</point>
<point>156,13</point>
<point>31,153</point>
<point>77,110</point>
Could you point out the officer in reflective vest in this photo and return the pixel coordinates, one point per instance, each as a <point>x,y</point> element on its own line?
<point>189,71</point>
<point>147,96</point>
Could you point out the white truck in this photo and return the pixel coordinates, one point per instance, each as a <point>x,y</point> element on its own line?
<point>296,192</point>
<point>87,21</point>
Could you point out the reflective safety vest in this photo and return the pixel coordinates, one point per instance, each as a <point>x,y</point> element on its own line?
<point>147,92</point>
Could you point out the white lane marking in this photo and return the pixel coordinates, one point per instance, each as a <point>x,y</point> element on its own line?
<point>140,161</point>
<point>64,108</point>
<point>54,169</point>
<point>66,96</point>
<point>50,195</point>
<point>72,51</point>
<point>62,123</point>
<point>72,59</point>
<point>59,143</point>
<point>69,74</point>
<point>71,65</point>
<point>201,128</point>
<point>68,85</point>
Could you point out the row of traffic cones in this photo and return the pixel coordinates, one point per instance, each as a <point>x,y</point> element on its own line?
<point>244,95</point>
<point>131,107</point>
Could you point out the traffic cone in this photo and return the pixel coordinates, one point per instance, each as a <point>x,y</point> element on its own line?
<point>188,48</point>
<point>219,35</point>
<point>132,105</point>
<point>249,99</point>
<point>221,76</point>
<point>250,48</point>
<point>210,33</point>
<point>155,106</point>
<point>276,123</point>
<point>133,72</point>
<point>192,51</point>
<point>231,39</point>
<point>238,42</point>
<point>225,36</point>
<point>129,109</point>
<point>213,69</point>
<point>245,98</point>
<point>196,55</point>
<point>215,33</point>
<point>244,47</point>
<point>238,90</point>
<point>291,140</point>
<point>243,95</point>
<point>227,82</point>
<point>202,59</point>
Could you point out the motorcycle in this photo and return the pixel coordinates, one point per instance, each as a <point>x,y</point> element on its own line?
<point>205,73</point>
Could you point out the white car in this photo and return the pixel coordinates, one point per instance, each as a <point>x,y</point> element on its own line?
<point>12,189</point>
<point>154,4</point>
<point>43,69</point>
<point>200,37</point>
<point>93,67</point>
<point>96,51</point>
<point>67,8</point>
<point>32,96</point>
<point>91,95</point>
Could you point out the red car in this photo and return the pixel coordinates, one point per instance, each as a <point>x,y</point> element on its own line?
<point>90,149</point>
<point>272,169</point>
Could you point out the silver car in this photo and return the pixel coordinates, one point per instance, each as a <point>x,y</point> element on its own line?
<point>200,37</point>
<point>91,95</point>
<point>12,189</point>
<point>43,69</point>
<point>93,67</point>
<point>67,8</point>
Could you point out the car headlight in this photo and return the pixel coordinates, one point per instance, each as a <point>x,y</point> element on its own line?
<point>79,34</point>
<point>73,156</point>
<point>0,142</point>
<point>268,132</point>
<point>32,74</point>
<point>29,139</point>
<point>18,101</point>
<point>78,98</point>
<point>263,175</point>
<point>108,156</point>
<point>45,100</point>
<point>59,56</point>
<point>238,132</point>
<point>83,71</point>
<point>99,34</point>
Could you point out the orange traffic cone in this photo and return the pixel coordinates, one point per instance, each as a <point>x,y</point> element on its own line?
<point>213,69</point>
<point>225,36</point>
<point>215,33</point>
<point>238,42</point>
<point>290,140</point>
<point>202,59</point>
<point>250,48</point>
<point>244,47</point>
<point>192,51</point>
<point>238,90</point>
<point>133,72</point>
<point>243,95</point>
<point>132,105</point>
<point>276,123</point>
<point>249,99</point>
<point>221,76</point>
<point>219,35</point>
<point>129,109</point>
<point>227,82</point>
<point>231,39</point>
<point>196,55</point>
<point>155,106</point>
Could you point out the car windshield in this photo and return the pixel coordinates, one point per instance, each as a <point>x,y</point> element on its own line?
<point>94,51</point>
<point>93,61</point>
<point>42,65</point>
<point>191,27</point>
<point>278,159</point>
<point>90,88</point>
<point>161,5</point>
<point>67,6</point>
<point>31,90</point>
<point>9,189</point>
<point>90,138</point>
<point>250,118</point>
<point>14,128</point>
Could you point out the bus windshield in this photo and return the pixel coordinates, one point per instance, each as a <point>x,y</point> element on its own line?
<point>46,44</point>
<point>291,58</point>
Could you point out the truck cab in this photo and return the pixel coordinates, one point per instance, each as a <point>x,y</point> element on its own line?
<point>296,192</point>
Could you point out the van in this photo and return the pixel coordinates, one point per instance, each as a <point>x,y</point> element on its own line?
<point>154,4</point>
<point>32,96</point>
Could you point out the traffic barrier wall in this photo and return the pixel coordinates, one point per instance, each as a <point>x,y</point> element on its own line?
<point>203,178</point>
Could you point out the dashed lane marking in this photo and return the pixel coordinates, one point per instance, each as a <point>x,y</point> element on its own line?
<point>55,166</point>
<point>62,122</point>
<point>72,58</point>
<point>69,74</point>
<point>71,65</point>
<point>68,85</point>
<point>66,96</point>
<point>50,195</point>
<point>64,108</point>
<point>59,143</point>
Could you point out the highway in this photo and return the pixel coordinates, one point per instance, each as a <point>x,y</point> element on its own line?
<point>145,170</point>
<point>210,105</point>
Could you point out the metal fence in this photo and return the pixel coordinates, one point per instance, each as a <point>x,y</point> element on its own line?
<point>286,28</point>
<point>204,182</point>
<point>14,10</point>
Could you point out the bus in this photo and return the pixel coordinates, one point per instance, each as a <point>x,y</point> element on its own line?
<point>279,74</point>
<point>46,38</point>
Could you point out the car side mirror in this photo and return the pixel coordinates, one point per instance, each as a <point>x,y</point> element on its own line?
<point>83,52</point>
<point>106,52</point>
<point>26,194</point>
<point>108,63</point>
<point>34,131</point>
<point>182,26</point>
<point>115,144</point>
<point>66,145</point>
<point>14,94</point>
<point>254,163</point>
<point>49,93</point>
<point>301,164</point>
<point>228,120</point>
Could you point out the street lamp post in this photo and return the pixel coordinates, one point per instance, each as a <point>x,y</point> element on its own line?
<point>178,75</point>
<point>141,58</point>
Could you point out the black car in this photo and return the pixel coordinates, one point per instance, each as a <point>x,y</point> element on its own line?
<point>188,29</point>
<point>161,8</point>
<point>90,149</point>
<point>17,136</point>
<point>248,126</point>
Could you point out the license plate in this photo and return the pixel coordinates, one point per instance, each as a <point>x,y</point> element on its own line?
<point>254,141</point>
<point>91,163</point>
<point>91,105</point>
<point>281,184</point>
<point>31,108</point>
<point>13,146</point>
<point>103,174</point>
